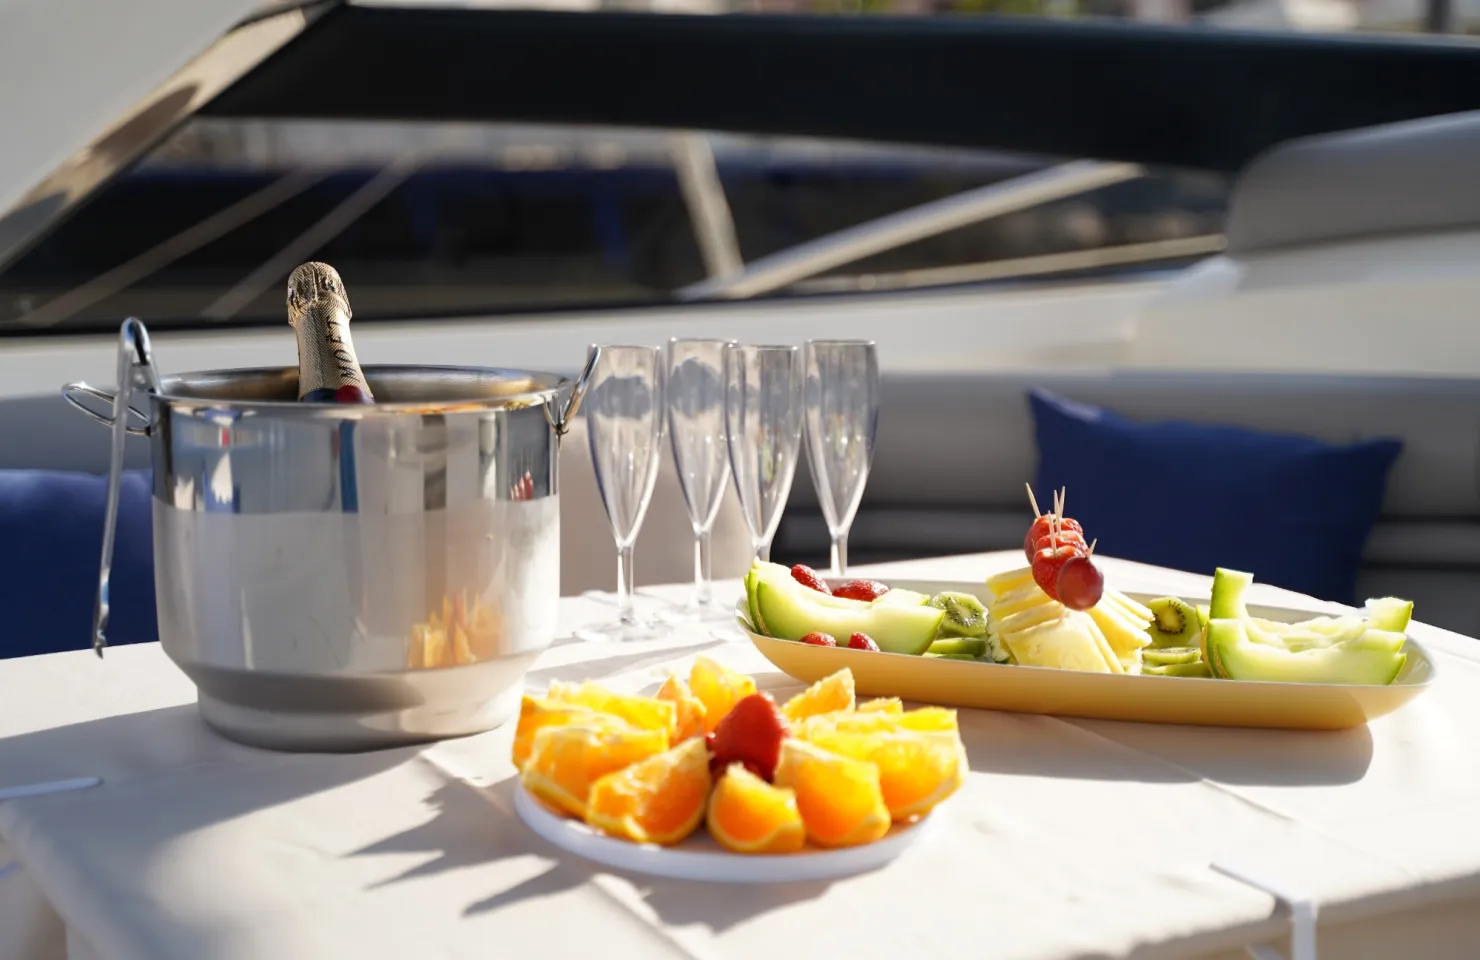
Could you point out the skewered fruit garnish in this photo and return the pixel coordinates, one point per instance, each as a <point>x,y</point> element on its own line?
<point>966,616</point>
<point>1017,606</point>
<point>1175,623</point>
<point>1042,531</point>
<point>750,734</point>
<point>1238,646</point>
<point>883,764</point>
<point>862,641</point>
<point>808,577</point>
<point>866,590</point>
<point>658,800</point>
<point>1080,584</point>
<point>1047,563</point>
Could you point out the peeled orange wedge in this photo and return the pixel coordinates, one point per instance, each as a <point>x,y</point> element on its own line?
<point>565,761</point>
<point>649,713</point>
<point>690,709</point>
<point>538,712</point>
<point>917,769</point>
<point>719,688</point>
<point>748,815</point>
<point>881,705</point>
<point>658,800</point>
<point>840,799</point>
<point>831,694</point>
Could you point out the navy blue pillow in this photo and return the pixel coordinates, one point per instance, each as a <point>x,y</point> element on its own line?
<point>51,536</point>
<point>1292,510</point>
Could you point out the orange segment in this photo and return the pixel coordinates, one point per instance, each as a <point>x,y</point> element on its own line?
<point>830,694</point>
<point>917,770</point>
<point>565,761</point>
<point>538,712</point>
<point>881,705</point>
<point>689,707</point>
<point>748,815</point>
<point>925,720</point>
<point>840,799</point>
<point>649,713</point>
<point>719,688</point>
<point>658,800</point>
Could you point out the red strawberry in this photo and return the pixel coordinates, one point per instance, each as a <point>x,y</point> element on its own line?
<point>865,590</point>
<point>820,640</point>
<point>1070,532</point>
<point>862,641</point>
<point>751,733</point>
<point>1046,564</point>
<point>808,577</point>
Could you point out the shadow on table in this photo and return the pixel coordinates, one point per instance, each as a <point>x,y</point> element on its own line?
<point>1249,757</point>
<point>460,838</point>
<point>165,776</point>
<point>1042,746</point>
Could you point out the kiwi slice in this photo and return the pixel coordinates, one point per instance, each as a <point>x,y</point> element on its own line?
<point>949,656</point>
<point>1198,669</point>
<point>965,615</point>
<point>976,646</point>
<point>1166,656</point>
<point>1174,623</point>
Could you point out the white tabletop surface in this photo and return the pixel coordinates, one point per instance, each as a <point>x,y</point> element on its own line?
<point>1071,838</point>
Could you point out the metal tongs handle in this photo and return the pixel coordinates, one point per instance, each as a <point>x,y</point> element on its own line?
<point>135,371</point>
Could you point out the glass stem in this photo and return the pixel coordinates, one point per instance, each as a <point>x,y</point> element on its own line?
<point>702,593</point>
<point>840,554</point>
<point>624,585</point>
<point>763,551</point>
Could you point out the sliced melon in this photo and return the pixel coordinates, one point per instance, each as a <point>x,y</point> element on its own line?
<point>792,612</point>
<point>1232,654</point>
<point>1389,613</point>
<point>901,598</point>
<point>1227,601</point>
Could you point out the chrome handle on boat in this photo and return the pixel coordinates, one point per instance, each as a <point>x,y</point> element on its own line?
<point>136,371</point>
<point>561,421</point>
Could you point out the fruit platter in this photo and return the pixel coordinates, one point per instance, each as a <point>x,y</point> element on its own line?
<point>1052,637</point>
<point>711,779</point>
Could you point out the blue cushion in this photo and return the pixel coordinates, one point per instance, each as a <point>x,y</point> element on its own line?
<point>1292,510</point>
<point>51,537</point>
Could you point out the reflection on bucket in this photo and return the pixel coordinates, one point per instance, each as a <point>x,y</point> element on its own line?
<point>455,636</point>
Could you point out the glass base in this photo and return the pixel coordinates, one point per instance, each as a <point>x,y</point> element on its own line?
<point>619,631</point>
<point>695,612</point>
<point>729,634</point>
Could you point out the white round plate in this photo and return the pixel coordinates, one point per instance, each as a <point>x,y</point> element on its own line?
<point>700,858</point>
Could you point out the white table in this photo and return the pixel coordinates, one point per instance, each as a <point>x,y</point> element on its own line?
<point>1071,838</point>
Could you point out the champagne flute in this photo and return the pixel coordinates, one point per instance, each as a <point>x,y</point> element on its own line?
<point>763,424</point>
<point>696,431</point>
<point>624,426</point>
<point>842,419</point>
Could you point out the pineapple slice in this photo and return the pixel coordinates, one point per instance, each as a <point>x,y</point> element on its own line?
<point>1124,635</point>
<point>1063,642</point>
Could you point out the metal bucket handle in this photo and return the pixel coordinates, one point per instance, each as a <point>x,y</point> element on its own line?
<point>136,371</point>
<point>562,421</point>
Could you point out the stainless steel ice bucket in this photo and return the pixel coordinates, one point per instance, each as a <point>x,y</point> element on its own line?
<point>344,577</point>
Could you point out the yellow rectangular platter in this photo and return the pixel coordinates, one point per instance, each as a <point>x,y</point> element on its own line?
<point>1102,696</point>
